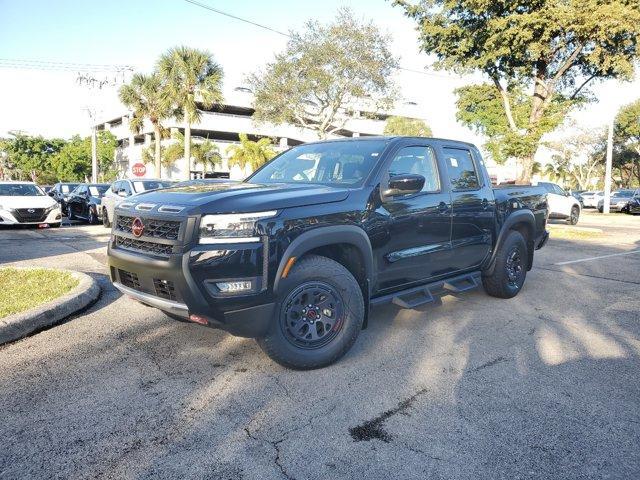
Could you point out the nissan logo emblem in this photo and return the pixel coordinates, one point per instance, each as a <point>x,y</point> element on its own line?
<point>31,210</point>
<point>137,227</point>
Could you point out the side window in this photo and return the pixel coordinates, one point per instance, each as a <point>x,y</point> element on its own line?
<point>557,190</point>
<point>125,186</point>
<point>114,187</point>
<point>461,168</point>
<point>420,161</point>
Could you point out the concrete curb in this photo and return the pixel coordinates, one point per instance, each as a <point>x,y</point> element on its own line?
<point>22,324</point>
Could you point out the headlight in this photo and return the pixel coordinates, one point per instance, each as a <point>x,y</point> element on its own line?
<point>52,208</point>
<point>235,227</point>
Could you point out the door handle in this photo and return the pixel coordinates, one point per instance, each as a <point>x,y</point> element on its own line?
<point>485,203</point>
<point>443,207</point>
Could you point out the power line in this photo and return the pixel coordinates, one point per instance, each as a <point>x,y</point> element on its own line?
<point>61,66</point>
<point>227,14</point>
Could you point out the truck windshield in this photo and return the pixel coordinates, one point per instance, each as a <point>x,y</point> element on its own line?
<point>330,163</point>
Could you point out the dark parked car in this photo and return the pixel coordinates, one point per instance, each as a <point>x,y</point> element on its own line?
<point>295,255</point>
<point>633,207</point>
<point>577,194</point>
<point>84,201</point>
<point>60,192</point>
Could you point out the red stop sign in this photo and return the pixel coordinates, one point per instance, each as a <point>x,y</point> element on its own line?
<point>139,169</point>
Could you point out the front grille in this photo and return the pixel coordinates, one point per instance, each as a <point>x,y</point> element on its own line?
<point>166,229</point>
<point>143,246</point>
<point>129,279</point>
<point>165,289</point>
<point>24,215</point>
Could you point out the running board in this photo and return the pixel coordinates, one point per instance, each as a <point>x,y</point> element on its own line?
<point>429,293</point>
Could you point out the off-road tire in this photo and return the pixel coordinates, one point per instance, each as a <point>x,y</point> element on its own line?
<point>498,284</point>
<point>279,345</point>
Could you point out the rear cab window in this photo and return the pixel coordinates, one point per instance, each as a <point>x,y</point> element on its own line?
<point>462,170</point>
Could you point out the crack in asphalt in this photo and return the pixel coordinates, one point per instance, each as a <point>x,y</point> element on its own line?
<point>488,364</point>
<point>374,428</point>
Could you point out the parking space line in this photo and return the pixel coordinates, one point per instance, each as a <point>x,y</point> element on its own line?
<point>597,258</point>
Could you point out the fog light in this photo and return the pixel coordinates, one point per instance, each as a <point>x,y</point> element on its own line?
<point>234,287</point>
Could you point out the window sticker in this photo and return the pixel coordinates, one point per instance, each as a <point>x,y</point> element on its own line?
<point>454,162</point>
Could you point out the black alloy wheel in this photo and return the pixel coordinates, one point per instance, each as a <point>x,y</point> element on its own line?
<point>513,266</point>
<point>312,315</point>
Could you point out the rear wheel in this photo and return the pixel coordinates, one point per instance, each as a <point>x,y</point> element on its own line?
<point>105,218</point>
<point>93,216</point>
<point>319,317</point>
<point>510,270</point>
<point>575,216</point>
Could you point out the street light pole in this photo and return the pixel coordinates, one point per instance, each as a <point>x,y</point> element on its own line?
<point>607,174</point>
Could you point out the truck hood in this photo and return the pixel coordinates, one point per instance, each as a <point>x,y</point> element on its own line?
<point>36,201</point>
<point>239,197</point>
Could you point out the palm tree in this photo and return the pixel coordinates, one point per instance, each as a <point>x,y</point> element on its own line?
<point>146,97</point>
<point>205,153</point>
<point>254,154</point>
<point>193,78</point>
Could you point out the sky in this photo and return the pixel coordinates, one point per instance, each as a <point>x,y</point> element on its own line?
<point>135,32</point>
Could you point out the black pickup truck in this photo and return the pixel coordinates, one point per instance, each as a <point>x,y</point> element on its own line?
<point>297,254</point>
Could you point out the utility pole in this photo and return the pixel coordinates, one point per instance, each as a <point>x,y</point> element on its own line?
<point>94,154</point>
<point>607,174</point>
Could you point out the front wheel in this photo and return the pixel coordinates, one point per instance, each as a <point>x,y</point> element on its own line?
<point>319,317</point>
<point>510,269</point>
<point>575,216</point>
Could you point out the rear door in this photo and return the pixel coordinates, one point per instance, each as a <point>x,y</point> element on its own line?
<point>473,208</point>
<point>411,240</point>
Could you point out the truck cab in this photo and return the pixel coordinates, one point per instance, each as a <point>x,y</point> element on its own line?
<point>297,254</point>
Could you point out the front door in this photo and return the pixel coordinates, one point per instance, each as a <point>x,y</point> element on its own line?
<point>473,209</point>
<point>415,239</point>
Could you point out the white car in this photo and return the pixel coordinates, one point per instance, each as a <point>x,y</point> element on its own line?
<point>561,203</point>
<point>121,189</point>
<point>591,199</point>
<point>25,203</point>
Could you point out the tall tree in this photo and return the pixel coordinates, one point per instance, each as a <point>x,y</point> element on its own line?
<point>193,79</point>
<point>326,74</point>
<point>25,157</point>
<point>550,48</point>
<point>250,153</point>
<point>73,161</point>
<point>577,156</point>
<point>408,127</point>
<point>204,152</point>
<point>145,96</point>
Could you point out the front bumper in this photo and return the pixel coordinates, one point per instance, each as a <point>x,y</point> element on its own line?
<point>180,284</point>
<point>9,217</point>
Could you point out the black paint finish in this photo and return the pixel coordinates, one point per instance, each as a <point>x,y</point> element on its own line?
<point>389,243</point>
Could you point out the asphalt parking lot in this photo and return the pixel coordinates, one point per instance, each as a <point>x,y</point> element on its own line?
<point>541,386</point>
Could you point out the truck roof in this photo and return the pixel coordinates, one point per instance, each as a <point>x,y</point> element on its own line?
<point>390,138</point>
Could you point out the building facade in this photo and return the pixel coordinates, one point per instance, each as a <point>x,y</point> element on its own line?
<point>223,125</point>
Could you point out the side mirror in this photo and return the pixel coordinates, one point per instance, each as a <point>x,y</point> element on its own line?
<point>404,185</point>
<point>51,193</point>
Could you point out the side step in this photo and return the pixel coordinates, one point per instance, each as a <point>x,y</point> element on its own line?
<point>429,293</point>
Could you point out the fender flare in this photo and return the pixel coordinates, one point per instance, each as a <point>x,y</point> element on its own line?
<point>517,217</point>
<point>323,236</point>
